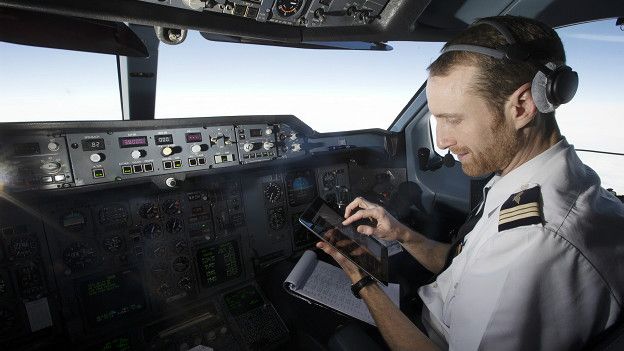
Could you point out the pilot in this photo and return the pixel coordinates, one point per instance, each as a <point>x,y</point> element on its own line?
<point>538,264</point>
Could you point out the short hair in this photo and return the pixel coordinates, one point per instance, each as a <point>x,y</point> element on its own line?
<point>498,79</point>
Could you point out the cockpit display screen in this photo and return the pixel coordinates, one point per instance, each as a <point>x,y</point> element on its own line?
<point>301,187</point>
<point>243,300</point>
<point>111,297</point>
<point>219,263</point>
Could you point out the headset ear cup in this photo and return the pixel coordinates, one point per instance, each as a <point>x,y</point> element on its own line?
<point>539,92</point>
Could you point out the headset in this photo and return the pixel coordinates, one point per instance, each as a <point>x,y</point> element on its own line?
<point>552,85</point>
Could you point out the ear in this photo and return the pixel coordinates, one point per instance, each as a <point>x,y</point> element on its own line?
<point>520,108</point>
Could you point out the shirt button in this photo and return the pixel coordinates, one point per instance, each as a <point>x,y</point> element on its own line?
<point>435,285</point>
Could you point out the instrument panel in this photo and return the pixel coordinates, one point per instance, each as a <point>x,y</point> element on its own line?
<point>126,262</point>
<point>303,13</point>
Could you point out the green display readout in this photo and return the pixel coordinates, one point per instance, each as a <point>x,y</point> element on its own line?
<point>111,297</point>
<point>219,263</point>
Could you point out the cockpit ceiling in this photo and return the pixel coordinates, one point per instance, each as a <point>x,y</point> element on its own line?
<point>325,20</point>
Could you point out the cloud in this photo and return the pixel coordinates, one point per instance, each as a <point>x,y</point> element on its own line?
<point>598,37</point>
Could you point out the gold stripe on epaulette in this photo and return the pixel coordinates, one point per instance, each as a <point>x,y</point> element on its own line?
<point>519,207</point>
<point>515,218</point>
<point>521,211</point>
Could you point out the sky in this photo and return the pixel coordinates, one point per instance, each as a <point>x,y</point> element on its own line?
<point>330,90</point>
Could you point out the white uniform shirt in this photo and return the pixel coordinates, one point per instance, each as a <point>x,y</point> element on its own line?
<point>546,286</point>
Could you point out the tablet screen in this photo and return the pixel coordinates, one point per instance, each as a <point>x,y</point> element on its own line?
<point>363,250</point>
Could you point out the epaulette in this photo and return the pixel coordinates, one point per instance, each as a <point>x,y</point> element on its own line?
<point>522,208</point>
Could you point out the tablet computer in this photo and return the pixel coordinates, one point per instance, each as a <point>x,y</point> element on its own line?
<point>363,250</point>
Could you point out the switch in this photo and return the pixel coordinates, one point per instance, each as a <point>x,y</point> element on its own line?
<point>268,131</point>
<point>293,136</point>
<point>248,147</point>
<point>167,151</point>
<point>137,154</point>
<point>95,158</point>
<point>52,146</point>
<point>59,178</point>
<point>268,145</point>
<point>296,147</point>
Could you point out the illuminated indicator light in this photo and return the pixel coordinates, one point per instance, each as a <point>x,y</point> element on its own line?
<point>177,164</point>
<point>126,169</point>
<point>98,173</point>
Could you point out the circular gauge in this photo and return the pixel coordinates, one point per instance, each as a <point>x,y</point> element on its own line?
<point>185,283</point>
<point>148,210</point>
<point>273,193</point>
<point>287,8</point>
<point>113,243</point>
<point>171,207</point>
<point>181,264</point>
<point>112,214</point>
<point>329,180</point>
<point>180,247</point>
<point>152,230</point>
<point>7,320</point>
<point>277,219</point>
<point>23,246</point>
<point>174,225</point>
<point>29,281</point>
<point>160,252</point>
<point>79,256</point>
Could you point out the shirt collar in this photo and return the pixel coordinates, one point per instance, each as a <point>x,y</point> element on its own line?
<point>523,177</point>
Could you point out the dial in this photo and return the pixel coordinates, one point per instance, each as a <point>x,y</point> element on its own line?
<point>172,207</point>
<point>273,192</point>
<point>160,252</point>
<point>185,283</point>
<point>152,230</point>
<point>23,246</point>
<point>181,264</point>
<point>329,180</point>
<point>174,225</point>
<point>79,256</point>
<point>114,213</point>
<point>287,8</point>
<point>180,247</point>
<point>148,210</point>
<point>113,243</point>
<point>277,220</point>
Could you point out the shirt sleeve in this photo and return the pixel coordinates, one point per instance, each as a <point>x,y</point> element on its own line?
<point>528,289</point>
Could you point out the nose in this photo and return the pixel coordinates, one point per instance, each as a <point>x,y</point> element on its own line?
<point>444,139</point>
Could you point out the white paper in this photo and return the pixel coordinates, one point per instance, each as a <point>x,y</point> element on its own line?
<point>38,314</point>
<point>330,286</point>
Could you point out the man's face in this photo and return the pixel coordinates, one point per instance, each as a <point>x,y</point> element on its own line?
<point>483,141</point>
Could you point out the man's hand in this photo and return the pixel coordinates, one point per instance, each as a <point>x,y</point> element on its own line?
<point>349,267</point>
<point>386,226</point>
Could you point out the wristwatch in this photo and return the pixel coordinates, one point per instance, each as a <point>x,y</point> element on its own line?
<point>356,287</point>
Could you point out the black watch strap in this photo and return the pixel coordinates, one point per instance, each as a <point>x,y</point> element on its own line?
<point>356,287</point>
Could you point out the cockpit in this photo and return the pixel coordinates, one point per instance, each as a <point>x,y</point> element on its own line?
<point>172,222</point>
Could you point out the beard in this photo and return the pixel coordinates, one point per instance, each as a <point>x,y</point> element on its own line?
<point>495,156</point>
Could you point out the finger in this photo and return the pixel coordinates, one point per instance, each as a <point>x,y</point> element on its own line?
<point>359,215</point>
<point>365,229</point>
<point>358,202</point>
<point>358,252</point>
<point>346,265</point>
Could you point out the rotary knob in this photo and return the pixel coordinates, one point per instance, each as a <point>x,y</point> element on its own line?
<point>248,147</point>
<point>268,145</point>
<point>136,154</point>
<point>196,149</point>
<point>52,146</point>
<point>293,136</point>
<point>167,151</point>
<point>95,158</point>
<point>296,147</point>
<point>268,131</point>
<point>51,167</point>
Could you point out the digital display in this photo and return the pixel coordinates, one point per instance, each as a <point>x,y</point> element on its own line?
<point>93,144</point>
<point>255,133</point>
<point>135,141</point>
<point>219,263</point>
<point>111,297</point>
<point>301,187</point>
<point>363,250</point>
<point>193,137</point>
<point>243,300</point>
<point>26,149</point>
<point>163,139</point>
